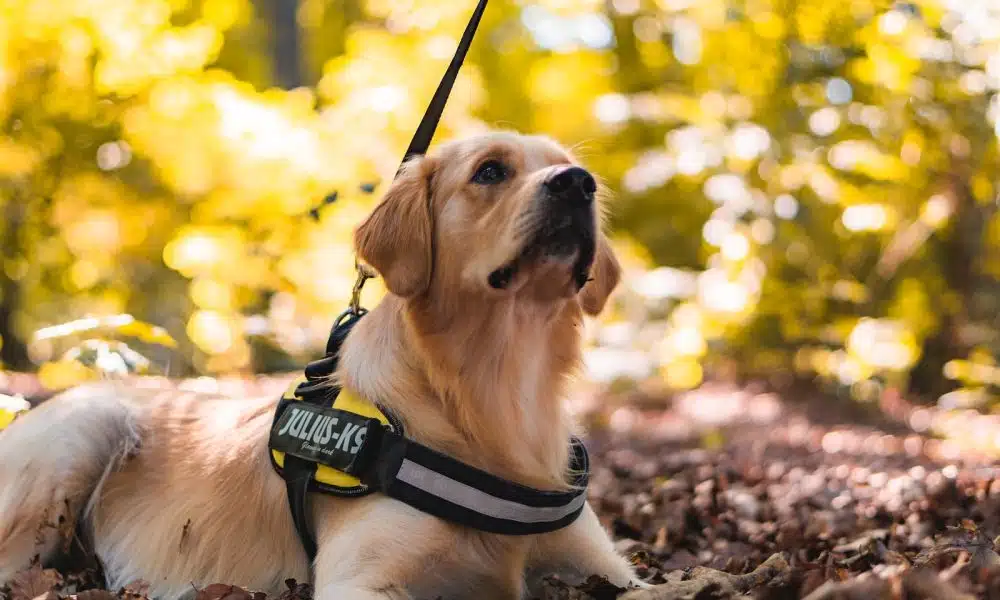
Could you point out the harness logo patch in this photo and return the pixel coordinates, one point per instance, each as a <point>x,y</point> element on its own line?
<point>324,435</point>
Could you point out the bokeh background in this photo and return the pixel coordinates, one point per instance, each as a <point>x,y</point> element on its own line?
<point>803,190</point>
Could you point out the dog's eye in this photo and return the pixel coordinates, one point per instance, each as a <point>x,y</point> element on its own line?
<point>490,172</point>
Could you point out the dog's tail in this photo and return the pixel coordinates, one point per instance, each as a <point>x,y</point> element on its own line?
<point>53,462</point>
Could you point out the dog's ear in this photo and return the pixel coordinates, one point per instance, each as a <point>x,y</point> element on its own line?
<point>604,276</point>
<point>395,239</point>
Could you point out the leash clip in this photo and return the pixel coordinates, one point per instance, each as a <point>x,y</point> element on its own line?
<point>364,274</point>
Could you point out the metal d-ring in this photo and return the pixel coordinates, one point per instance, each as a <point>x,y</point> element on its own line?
<point>364,274</point>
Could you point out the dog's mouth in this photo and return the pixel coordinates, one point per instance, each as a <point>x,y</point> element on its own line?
<point>561,238</point>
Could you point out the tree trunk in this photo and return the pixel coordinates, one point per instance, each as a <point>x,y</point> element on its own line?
<point>13,352</point>
<point>960,252</point>
<point>286,48</point>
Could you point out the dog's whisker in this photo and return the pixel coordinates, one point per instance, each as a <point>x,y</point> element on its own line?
<point>582,149</point>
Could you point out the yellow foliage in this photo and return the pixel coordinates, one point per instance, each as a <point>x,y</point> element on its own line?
<point>764,153</point>
<point>16,160</point>
<point>225,14</point>
<point>10,408</point>
<point>62,374</point>
<point>682,374</point>
<point>213,331</point>
<point>912,306</point>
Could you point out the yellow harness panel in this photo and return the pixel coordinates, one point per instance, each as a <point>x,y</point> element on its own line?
<point>346,401</point>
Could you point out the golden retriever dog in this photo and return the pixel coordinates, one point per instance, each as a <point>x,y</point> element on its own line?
<point>492,253</point>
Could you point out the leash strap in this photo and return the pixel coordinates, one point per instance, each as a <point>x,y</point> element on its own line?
<point>425,131</point>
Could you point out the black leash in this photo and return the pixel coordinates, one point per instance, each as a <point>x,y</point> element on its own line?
<point>425,131</point>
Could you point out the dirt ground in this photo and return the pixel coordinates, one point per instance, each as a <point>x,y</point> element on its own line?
<point>727,492</point>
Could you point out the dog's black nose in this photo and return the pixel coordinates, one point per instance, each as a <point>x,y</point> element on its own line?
<point>573,184</point>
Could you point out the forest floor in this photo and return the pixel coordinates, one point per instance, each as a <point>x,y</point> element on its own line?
<point>724,492</point>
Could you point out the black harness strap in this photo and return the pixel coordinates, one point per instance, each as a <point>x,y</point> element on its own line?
<point>298,472</point>
<point>298,475</point>
<point>454,491</point>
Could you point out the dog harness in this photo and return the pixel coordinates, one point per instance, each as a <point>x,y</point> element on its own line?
<point>328,439</point>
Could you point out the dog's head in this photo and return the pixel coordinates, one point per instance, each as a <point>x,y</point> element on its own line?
<point>497,216</point>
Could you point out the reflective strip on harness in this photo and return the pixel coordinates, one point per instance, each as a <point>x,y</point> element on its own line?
<point>466,496</point>
<point>452,490</point>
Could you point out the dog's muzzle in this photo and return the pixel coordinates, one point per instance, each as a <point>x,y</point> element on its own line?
<point>565,229</point>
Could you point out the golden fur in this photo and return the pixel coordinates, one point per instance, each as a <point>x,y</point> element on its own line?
<point>177,488</point>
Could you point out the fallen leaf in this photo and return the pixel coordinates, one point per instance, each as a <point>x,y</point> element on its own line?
<point>862,588</point>
<point>600,588</point>
<point>137,590</point>
<point>921,583</point>
<point>34,582</point>
<point>707,583</point>
<point>94,595</point>
<point>221,591</point>
<point>296,591</point>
